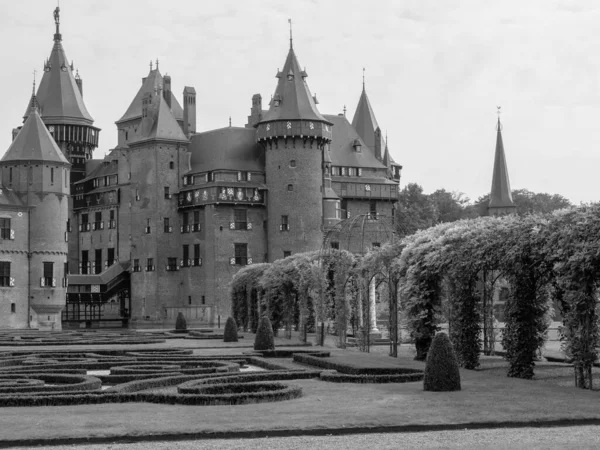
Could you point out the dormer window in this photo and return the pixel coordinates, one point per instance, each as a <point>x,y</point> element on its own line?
<point>357,145</point>
<point>277,100</point>
<point>290,75</point>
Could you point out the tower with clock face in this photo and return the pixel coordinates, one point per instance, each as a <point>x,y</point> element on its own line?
<point>294,135</point>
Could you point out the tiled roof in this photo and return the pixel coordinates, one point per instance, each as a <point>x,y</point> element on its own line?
<point>58,95</point>
<point>160,124</point>
<point>500,196</point>
<point>232,148</point>
<point>106,167</point>
<point>34,143</point>
<point>364,121</point>
<point>294,100</point>
<point>342,148</point>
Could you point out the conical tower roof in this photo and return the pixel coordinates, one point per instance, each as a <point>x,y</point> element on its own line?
<point>500,195</point>
<point>292,99</point>
<point>58,95</point>
<point>364,121</point>
<point>34,142</point>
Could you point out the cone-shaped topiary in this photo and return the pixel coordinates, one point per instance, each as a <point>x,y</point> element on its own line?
<point>230,334</point>
<point>264,335</point>
<point>441,366</point>
<point>180,323</point>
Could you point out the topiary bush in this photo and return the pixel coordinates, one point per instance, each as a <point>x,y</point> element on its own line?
<point>264,335</point>
<point>441,366</point>
<point>180,323</point>
<point>230,334</point>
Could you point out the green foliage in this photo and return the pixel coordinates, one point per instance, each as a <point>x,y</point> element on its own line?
<point>528,202</point>
<point>180,322</point>
<point>264,335</point>
<point>441,367</point>
<point>465,320</point>
<point>230,334</point>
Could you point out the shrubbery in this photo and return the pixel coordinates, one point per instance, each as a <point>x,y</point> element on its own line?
<point>264,335</point>
<point>180,323</point>
<point>441,367</point>
<point>230,334</point>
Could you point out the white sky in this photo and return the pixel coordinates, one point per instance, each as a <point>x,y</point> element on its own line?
<point>435,72</point>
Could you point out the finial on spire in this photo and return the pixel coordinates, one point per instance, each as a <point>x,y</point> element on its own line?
<point>344,110</point>
<point>33,103</point>
<point>499,125</point>
<point>57,36</point>
<point>363,78</point>
<point>150,65</point>
<point>229,121</point>
<point>156,63</point>
<point>291,39</point>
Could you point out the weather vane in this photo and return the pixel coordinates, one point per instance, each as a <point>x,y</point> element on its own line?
<point>499,126</point>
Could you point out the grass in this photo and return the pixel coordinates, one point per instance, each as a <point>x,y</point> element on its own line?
<point>487,397</point>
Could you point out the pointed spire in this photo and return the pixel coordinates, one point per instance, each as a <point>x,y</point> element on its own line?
<point>363,79</point>
<point>291,39</point>
<point>365,123</point>
<point>500,196</point>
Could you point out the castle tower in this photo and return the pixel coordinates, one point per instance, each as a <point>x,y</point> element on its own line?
<point>36,171</point>
<point>294,135</point>
<point>501,201</point>
<point>61,107</point>
<point>365,124</point>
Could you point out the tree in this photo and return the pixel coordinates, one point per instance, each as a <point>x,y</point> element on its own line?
<point>451,206</point>
<point>528,202</point>
<point>415,210</point>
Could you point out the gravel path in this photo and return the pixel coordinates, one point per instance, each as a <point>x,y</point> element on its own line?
<point>581,437</point>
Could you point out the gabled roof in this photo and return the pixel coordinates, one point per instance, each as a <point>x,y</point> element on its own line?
<point>342,146</point>
<point>162,125</point>
<point>151,84</point>
<point>500,195</point>
<point>292,99</point>
<point>229,148</point>
<point>34,143</point>
<point>58,95</point>
<point>364,121</point>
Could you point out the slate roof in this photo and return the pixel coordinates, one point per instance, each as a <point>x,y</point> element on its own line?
<point>58,95</point>
<point>364,121</point>
<point>500,195</point>
<point>342,149</point>
<point>101,170</point>
<point>229,148</point>
<point>163,124</point>
<point>9,198</point>
<point>150,85</point>
<point>296,101</point>
<point>34,143</point>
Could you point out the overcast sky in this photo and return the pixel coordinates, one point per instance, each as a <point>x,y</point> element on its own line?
<point>435,72</point>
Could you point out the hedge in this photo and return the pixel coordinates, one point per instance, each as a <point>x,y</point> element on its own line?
<point>350,369</point>
<point>336,377</point>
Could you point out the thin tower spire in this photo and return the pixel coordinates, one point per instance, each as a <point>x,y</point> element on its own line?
<point>57,35</point>
<point>363,78</point>
<point>291,39</point>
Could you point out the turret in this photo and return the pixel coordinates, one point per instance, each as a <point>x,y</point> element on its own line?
<point>365,124</point>
<point>501,201</point>
<point>294,135</point>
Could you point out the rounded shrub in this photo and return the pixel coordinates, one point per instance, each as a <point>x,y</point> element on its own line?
<point>441,366</point>
<point>264,335</point>
<point>180,323</point>
<point>230,334</point>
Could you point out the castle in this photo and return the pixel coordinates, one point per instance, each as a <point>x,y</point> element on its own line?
<point>161,224</point>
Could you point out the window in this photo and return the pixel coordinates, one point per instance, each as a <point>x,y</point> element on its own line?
<point>98,225</point>
<point>343,171</point>
<point>203,300</point>
<point>110,257</point>
<point>112,222</point>
<point>85,263</point>
<point>241,254</point>
<point>210,176</point>
<point>197,261</point>
<point>344,207</point>
<point>287,253</point>
<point>167,192</point>
<point>335,245</point>
<point>196,225</point>
<point>285,225</point>
<point>13,308</point>
<point>171,264</point>
<point>186,256</point>
<point>372,209</point>
<point>51,175</point>
<point>98,261</point>
<point>4,273</point>
<point>85,224</point>
<point>189,299</point>
<point>66,269</point>
<point>5,229</point>
<point>185,222</point>
<point>171,165</point>
<point>48,274</point>
<point>136,265</point>
<point>137,194</point>
<point>69,225</point>
<point>293,163</point>
<point>10,175</point>
<point>376,244</point>
<point>290,187</point>
<point>148,227</point>
<point>243,176</point>
<point>167,228</point>
<point>150,265</point>
<point>240,219</point>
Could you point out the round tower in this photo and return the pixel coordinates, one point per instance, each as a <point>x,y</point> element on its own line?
<point>294,135</point>
<point>38,173</point>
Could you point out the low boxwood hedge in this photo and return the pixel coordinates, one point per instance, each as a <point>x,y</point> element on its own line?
<point>348,368</point>
<point>336,377</point>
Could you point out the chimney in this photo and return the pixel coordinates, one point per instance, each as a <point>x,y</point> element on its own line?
<point>378,143</point>
<point>189,111</point>
<point>167,90</point>
<point>15,131</point>
<point>147,114</point>
<point>255,112</point>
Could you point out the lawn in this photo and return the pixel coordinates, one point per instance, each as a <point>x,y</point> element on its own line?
<point>488,398</point>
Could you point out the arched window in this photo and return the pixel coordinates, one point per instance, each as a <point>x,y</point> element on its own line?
<point>51,175</point>
<point>171,165</point>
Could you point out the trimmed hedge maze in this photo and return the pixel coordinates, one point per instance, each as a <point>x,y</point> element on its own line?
<point>25,338</point>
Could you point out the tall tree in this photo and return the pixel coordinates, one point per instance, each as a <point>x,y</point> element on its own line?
<point>528,202</point>
<point>415,210</point>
